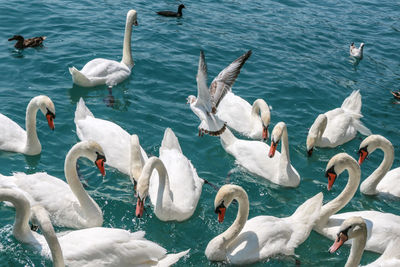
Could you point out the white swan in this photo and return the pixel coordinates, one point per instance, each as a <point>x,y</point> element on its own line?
<point>254,156</point>
<point>382,227</point>
<point>69,205</point>
<point>97,246</point>
<point>177,189</point>
<point>337,126</point>
<point>249,120</point>
<point>104,71</point>
<point>208,99</point>
<point>357,52</point>
<point>248,241</point>
<point>355,228</point>
<point>381,180</point>
<point>114,140</point>
<point>14,138</point>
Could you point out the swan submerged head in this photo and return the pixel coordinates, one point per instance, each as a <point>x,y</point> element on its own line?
<point>46,106</point>
<point>352,227</point>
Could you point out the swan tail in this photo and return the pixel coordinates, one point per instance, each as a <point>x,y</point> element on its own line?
<point>79,78</point>
<point>82,111</point>
<point>361,128</point>
<point>170,141</point>
<point>352,104</point>
<point>304,218</point>
<point>172,258</point>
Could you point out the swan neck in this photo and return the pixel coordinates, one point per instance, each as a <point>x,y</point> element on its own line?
<point>227,138</point>
<point>21,229</point>
<point>136,160</point>
<point>356,251</point>
<point>369,185</point>
<point>126,51</point>
<point>89,207</point>
<point>33,145</point>
<point>163,186</point>
<point>344,197</point>
<point>241,218</point>
<point>285,145</point>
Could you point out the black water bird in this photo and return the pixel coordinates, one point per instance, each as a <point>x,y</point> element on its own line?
<point>24,43</point>
<point>172,13</point>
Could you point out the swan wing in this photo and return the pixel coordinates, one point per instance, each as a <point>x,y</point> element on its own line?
<point>386,184</point>
<point>226,78</point>
<point>109,247</point>
<point>12,136</point>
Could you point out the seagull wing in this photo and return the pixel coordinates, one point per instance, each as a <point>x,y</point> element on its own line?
<point>203,94</point>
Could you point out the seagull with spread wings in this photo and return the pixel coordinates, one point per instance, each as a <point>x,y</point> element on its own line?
<point>208,99</point>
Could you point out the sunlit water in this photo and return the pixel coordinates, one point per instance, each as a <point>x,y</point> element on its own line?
<point>300,66</point>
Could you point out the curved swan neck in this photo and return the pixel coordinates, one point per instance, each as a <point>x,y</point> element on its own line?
<point>285,145</point>
<point>87,203</point>
<point>343,198</point>
<point>368,187</point>
<point>144,180</point>
<point>357,249</point>
<point>41,218</point>
<point>33,145</point>
<point>21,229</point>
<point>136,160</point>
<point>261,109</point>
<point>127,50</point>
<point>241,218</point>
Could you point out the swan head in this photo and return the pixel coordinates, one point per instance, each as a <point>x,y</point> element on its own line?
<point>315,133</point>
<point>191,99</point>
<point>336,165</point>
<point>352,227</point>
<point>276,136</point>
<point>131,17</point>
<point>94,152</point>
<point>224,198</point>
<point>370,144</point>
<point>46,106</point>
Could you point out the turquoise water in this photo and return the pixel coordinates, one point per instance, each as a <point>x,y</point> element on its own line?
<point>300,66</point>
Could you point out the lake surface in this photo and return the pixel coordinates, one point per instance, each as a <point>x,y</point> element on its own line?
<point>300,66</point>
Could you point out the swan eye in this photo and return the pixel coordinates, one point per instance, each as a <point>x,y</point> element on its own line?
<point>50,113</point>
<point>330,171</point>
<point>220,206</point>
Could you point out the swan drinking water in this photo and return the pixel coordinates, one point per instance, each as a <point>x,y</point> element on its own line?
<point>104,71</point>
<point>96,246</point>
<point>248,241</point>
<point>337,126</point>
<point>69,205</point>
<point>207,101</point>
<point>14,138</point>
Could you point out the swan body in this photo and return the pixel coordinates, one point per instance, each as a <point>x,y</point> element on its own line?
<point>104,71</point>
<point>114,140</point>
<point>208,99</point>
<point>357,52</point>
<point>248,241</point>
<point>355,228</point>
<point>25,43</point>
<point>15,139</point>
<point>254,156</point>
<point>382,227</point>
<point>176,188</point>
<point>249,120</point>
<point>381,180</point>
<point>337,126</point>
<point>69,205</point>
<point>96,246</point>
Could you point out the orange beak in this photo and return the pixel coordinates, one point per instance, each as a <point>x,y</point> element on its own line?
<point>50,119</point>
<point>331,180</point>
<point>363,155</point>
<point>139,208</point>
<point>265,133</point>
<point>272,149</point>
<point>100,163</point>
<point>338,242</point>
<point>221,214</point>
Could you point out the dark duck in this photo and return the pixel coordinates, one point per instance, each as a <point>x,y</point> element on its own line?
<point>24,43</point>
<point>172,13</point>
